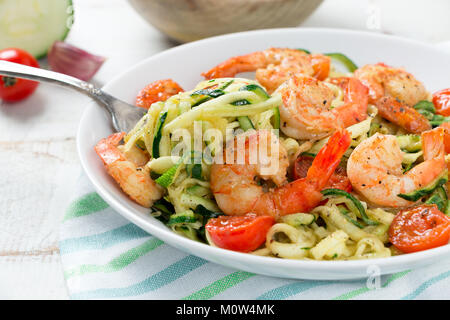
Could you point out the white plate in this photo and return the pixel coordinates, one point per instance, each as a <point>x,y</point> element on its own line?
<point>185,63</point>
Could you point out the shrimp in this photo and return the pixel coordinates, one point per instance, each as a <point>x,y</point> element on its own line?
<point>375,168</point>
<point>395,91</point>
<point>307,113</point>
<point>402,115</point>
<point>135,181</point>
<point>273,66</point>
<point>160,90</point>
<point>237,192</point>
<point>383,80</point>
<point>446,126</point>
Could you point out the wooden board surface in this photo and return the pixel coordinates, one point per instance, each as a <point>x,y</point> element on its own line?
<point>38,161</point>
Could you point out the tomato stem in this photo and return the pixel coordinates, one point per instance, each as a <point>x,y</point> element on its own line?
<point>9,81</point>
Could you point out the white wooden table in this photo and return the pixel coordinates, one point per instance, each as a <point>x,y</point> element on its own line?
<point>38,160</point>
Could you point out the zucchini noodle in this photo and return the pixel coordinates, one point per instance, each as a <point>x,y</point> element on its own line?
<point>339,239</point>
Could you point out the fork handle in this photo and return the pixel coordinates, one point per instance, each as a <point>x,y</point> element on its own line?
<point>11,69</point>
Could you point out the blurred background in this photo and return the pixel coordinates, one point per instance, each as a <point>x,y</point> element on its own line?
<point>39,163</point>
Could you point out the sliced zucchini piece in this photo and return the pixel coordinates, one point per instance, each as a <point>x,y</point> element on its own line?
<point>427,109</point>
<point>199,100</point>
<point>338,192</point>
<point>162,210</point>
<point>162,164</point>
<point>186,217</point>
<point>227,84</point>
<point>304,50</point>
<point>425,105</point>
<point>343,59</point>
<point>438,120</point>
<point>198,191</point>
<point>192,202</point>
<point>410,158</point>
<point>258,90</point>
<point>276,120</point>
<point>187,231</point>
<point>141,144</point>
<point>186,223</point>
<point>427,114</point>
<point>194,170</point>
<point>207,214</point>
<point>168,177</point>
<point>245,123</point>
<point>299,219</point>
<point>242,102</point>
<point>439,198</point>
<point>203,95</point>
<point>410,142</point>
<point>213,93</point>
<point>419,193</point>
<point>34,25</point>
<point>158,135</point>
<point>345,213</point>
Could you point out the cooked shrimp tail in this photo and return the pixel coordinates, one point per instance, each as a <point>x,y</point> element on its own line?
<point>356,99</point>
<point>328,158</point>
<point>106,148</point>
<point>135,181</point>
<point>304,194</point>
<point>433,144</point>
<point>321,66</point>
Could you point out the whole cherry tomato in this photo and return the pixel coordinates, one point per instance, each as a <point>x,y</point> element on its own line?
<point>14,89</point>
<point>239,233</point>
<point>419,228</point>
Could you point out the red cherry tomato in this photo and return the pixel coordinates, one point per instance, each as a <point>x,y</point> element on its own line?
<point>419,228</point>
<point>14,89</point>
<point>338,179</point>
<point>441,101</point>
<point>239,233</point>
<point>160,90</point>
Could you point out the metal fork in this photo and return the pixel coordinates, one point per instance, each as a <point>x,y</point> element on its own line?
<point>123,115</point>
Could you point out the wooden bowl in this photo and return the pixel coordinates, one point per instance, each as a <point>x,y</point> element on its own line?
<point>188,20</point>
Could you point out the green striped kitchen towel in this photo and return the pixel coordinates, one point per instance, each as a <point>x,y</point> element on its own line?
<point>105,256</point>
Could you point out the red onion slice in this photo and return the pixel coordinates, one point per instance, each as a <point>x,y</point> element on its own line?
<point>73,61</point>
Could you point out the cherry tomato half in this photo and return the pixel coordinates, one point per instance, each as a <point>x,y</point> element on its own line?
<point>338,179</point>
<point>14,89</point>
<point>419,228</point>
<point>441,101</point>
<point>160,90</point>
<point>239,233</point>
